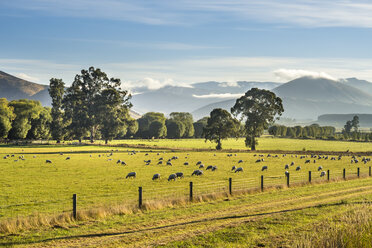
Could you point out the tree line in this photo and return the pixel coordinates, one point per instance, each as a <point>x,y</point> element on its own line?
<point>96,107</point>
<point>311,131</point>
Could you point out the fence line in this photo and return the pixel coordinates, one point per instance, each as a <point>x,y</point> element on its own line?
<point>195,189</point>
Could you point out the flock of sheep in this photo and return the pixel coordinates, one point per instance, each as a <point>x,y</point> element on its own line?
<point>199,172</point>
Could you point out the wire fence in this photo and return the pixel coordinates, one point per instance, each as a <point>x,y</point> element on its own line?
<point>139,198</point>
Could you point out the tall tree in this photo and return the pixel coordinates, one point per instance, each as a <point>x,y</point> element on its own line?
<point>25,111</point>
<point>157,129</point>
<point>41,126</point>
<point>56,92</point>
<point>257,108</point>
<point>6,117</point>
<point>145,121</point>
<point>355,123</point>
<point>199,126</point>
<point>220,125</point>
<point>347,128</point>
<point>91,97</point>
<point>187,120</point>
<point>175,129</point>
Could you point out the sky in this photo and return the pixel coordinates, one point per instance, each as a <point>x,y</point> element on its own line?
<point>157,43</point>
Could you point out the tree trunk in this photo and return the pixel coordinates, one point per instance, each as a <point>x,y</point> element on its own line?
<point>58,142</point>
<point>106,141</point>
<point>219,146</point>
<point>253,142</point>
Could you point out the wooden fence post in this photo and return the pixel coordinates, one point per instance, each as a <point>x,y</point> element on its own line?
<point>262,183</point>
<point>328,175</point>
<point>370,172</point>
<point>344,172</point>
<point>309,176</point>
<point>358,172</point>
<point>140,197</point>
<point>191,192</point>
<point>288,180</point>
<point>74,208</point>
<point>230,186</point>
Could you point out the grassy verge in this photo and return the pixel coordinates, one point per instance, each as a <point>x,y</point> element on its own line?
<point>265,215</point>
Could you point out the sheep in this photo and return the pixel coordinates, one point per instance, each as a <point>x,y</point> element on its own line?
<point>323,173</point>
<point>123,163</point>
<point>209,167</point>
<point>320,168</point>
<point>160,158</point>
<point>214,168</point>
<point>307,161</point>
<point>258,160</point>
<point>292,163</point>
<point>160,162</point>
<point>5,157</point>
<point>172,177</point>
<point>68,158</point>
<point>118,162</point>
<point>286,167</point>
<point>156,176</point>
<point>201,166</point>
<point>197,173</point>
<point>286,173</point>
<point>240,169</point>
<point>240,161</point>
<point>264,168</point>
<point>186,163</point>
<point>169,163</point>
<point>131,174</point>
<point>199,162</point>
<point>179,174</point>
<point>298,168</point>
<point>233,168</point>
<point>48,161</point>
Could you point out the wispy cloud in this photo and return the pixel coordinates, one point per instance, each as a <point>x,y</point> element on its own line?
<point>305,13</point>
<point>223,95</point>
<point>28,77</point>
<point>290,74</point>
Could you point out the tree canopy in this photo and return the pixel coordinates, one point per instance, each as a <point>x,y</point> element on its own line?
<point>220,125</point>
<point>257,108</point>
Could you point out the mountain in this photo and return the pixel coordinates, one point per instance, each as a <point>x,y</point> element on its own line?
<point>15,88</point>
<point>308,97</point>
<point>362,85</point>
<point>186,99</point>
<point>322,90</point>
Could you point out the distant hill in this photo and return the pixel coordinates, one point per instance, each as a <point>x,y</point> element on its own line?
<point>362,85</point>
<point>307,98</point>
<point>13,88</point>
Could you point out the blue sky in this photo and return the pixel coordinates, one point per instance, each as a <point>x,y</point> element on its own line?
<point>156,43</point>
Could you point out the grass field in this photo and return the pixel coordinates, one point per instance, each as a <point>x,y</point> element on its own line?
<point>264,143</point>
<point>31,187</point>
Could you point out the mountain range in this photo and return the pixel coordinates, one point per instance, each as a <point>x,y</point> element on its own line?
<point>303,98</point>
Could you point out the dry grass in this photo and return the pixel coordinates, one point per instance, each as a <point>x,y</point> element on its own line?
<point>354,229</point>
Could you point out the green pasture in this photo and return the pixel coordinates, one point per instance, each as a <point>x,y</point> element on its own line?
<point>32,186</point>
<point>264,143</point>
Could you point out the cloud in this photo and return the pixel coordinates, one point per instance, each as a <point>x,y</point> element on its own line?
<point>229,84</point>
<point>152,84</point>
<point>27,77</point>
<point>223,95</point>
<point>304,13</point>
<point>288,74</point>
<point>183,72</point>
